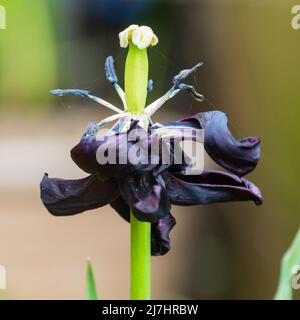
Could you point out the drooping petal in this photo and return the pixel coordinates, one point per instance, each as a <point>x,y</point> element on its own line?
<point>90,151</point>
<point>84,153</point>
<point>68,197</point>
<point>238,156</point>
<point>122,208</point>
<point>160,230</point>
<point>160,239</point>
<point>148,200</point>
<point>117,155</point>
<point>209,187</point>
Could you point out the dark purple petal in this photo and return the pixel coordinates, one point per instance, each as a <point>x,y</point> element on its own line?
<point>160,240</point>
<point>122,208</point>
<point>68,197</point>
<point>238,156</point>
<point>148,200</point>
<point>120,162</point>
<point>209,187</point>
<point>84,153</point>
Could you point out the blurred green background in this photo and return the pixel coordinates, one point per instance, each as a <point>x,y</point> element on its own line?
<point>251,72</point>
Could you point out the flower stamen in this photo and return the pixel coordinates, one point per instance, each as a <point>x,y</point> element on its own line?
<point>84,94</point>
<point>112,118</point>
<point>178,86</point>
<point>111,76</point>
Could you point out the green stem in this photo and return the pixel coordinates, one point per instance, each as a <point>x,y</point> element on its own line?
<point>136,79</point>
<point>140,259</point>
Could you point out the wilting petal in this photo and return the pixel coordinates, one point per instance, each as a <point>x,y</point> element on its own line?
<point>238,156</point>
<point>67,197</point>
<point>160,239</point>
<point>148,200</point>
<point>84,153</point>
<point>160,230</point>
<point>117,155</point>
<point>209,187</point>
<point>122,208</point>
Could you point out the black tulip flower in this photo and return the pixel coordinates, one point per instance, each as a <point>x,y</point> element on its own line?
<point>150,188</point>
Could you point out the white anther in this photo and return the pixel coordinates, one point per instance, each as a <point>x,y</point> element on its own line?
<point>141,36</point>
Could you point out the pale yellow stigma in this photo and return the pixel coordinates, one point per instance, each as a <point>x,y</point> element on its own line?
<point>141,36</point>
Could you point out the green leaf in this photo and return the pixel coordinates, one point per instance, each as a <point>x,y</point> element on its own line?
<point>91,291</point>
<point>290,259</point>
